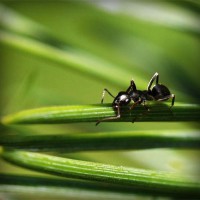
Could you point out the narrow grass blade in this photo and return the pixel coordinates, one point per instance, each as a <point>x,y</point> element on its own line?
<point>91,113</point>
<point>53,188</point>
<point>73,59</point>
<point>103,141</point>
<point>146,181</point>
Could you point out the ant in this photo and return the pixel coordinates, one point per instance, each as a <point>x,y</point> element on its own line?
<point>159,92</point>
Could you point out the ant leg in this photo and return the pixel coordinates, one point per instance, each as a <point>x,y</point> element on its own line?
<point>146,107</point>
<point>133,106</point>
<point>104,91</point>
<point>111,118</point>
<point>168,97</point>
<point>173,100</point>
<point>132,87</point>
<point>146,111</point>
<point>155,76</point>
<point>143,113</point>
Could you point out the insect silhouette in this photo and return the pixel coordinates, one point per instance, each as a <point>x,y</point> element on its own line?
<point>158,92</point>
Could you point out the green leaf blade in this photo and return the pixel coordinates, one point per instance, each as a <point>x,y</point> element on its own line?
<point>124,140</point>
<point>92,113</point>
<point>142,180</point>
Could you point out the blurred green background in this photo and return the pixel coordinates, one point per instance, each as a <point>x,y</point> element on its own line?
<point>110,43</point>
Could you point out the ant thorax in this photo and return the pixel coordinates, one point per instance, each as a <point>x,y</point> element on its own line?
<point>135,95</point>
<point>141,95</point>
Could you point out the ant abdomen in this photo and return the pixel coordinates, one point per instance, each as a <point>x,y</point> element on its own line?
<point>159,91</point>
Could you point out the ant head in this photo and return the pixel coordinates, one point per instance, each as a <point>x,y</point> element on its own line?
<point>122,99</point>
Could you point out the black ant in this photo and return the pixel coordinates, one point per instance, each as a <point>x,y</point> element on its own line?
<point>159,92</point>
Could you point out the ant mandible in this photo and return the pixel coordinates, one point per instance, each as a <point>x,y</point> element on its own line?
<point>159,92</point>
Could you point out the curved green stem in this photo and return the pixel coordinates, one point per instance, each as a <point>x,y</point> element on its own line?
<point>103,141</point>
<point>74,59</point>
<point>91,113</point>
<point>58,188</point>
<point>145,181</point>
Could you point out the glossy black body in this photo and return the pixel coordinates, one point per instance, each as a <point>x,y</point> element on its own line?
<point>158,92</point>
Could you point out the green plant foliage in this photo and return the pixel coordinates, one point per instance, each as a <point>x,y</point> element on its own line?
<point>92,113</point>
<point>102,141</point>
<point>142,180</point>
